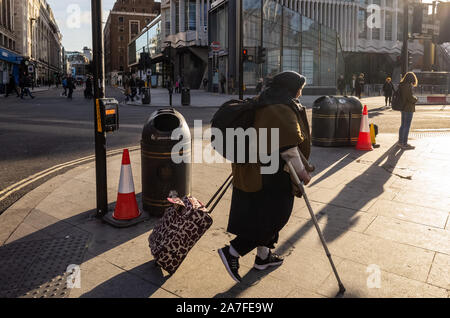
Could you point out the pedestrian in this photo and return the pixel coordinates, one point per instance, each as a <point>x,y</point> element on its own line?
<point>359,85</point>
<point>262,204</point>
<point>70,86</point>
<point>409,107</point>
<point>353,85</point>
<point>259,86</point>
<point>205,83</point>
<point>12,86</point>
<point>64,84</point>
<point>341,84</point>
<point>25,87</point>
<point>177,87</point>
<point>223,81</point>
<point>388,89</point>
<point>89,88</point>
<point>133,87</point>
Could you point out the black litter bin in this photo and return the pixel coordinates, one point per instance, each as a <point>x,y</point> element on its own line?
<point>336,121</point>
<point>185,96</point>
<point>162,177</point>
<point>146,100</point>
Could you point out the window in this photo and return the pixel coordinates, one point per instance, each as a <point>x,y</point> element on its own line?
<point>190,13</point>
<point>120,19</point>
<point>388,26</point>
<point>167,22</point>
<point>362,25</point>
<point>134,29</point>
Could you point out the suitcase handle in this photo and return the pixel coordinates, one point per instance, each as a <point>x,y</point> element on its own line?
<point>219,195</point>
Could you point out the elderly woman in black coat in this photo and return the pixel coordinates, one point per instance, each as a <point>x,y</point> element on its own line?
<point>262,204</point>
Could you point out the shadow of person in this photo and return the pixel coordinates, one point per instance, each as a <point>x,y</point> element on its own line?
<point>252,278</point>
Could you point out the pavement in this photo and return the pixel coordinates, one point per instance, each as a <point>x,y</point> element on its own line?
<point>384,215</point>
<point>199,98</point>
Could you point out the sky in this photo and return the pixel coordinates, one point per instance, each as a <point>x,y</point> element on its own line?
<point>74,21</point>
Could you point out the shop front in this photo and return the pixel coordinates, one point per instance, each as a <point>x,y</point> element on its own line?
<point>9,64</point>
<point>291,42</point>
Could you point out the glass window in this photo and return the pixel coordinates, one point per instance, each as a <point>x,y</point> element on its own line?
<point>291,41</point>
<point>190,15</point>
<point>272,19</point>
<point>388,26</point>
<point>167,22</point>
<point>362,23</point>
<point>310,50</point>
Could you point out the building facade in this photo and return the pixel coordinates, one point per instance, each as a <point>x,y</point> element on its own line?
<point>9,56</point>
<point>370,33</point>
<point>78,64</point>
<point>184,26</point>
<point>150,42</point>
<point>125,21</point>
<point>292,42</point>
<point>39,41</point>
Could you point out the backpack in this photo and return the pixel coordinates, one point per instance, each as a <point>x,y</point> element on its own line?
<point>397,103</point>
<point>234,114</point>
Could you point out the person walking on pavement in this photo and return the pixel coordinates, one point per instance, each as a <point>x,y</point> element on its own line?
<point>64,84</point>
<point>341,84</point>
<point>25,87</point>
<point>409,107</point>
<point>223,81</point>
<point>262,204</point>
<point>353,85</point>
<point>70,86</point>
<point>359,85</point>
<point>388,89</point>
<point>88,90</point>
<point>12,86</point>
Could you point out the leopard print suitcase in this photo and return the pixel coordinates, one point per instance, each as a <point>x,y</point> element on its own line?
<point>180,228</point>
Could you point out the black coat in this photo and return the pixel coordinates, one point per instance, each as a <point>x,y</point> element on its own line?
<point>259,216</point>
<point>388,89</point>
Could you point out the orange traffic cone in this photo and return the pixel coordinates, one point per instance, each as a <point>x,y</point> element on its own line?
<point>364,141</point>
<point>126,206</point>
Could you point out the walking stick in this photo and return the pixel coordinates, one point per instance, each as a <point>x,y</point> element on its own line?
<point>313,217</point>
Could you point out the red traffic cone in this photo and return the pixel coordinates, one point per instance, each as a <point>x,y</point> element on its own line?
<point>126,206</point>
<point>364,141</point>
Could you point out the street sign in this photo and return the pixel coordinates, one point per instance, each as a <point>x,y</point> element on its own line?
<point>30,69</point>
<point>215,46</point>
<point>149,72</point>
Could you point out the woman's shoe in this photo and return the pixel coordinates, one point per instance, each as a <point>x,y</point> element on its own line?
<point>408,147</point>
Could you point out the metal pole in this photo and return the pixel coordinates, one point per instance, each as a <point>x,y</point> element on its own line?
<point>99,92</point>
<point>241,47</point>
<point>405,53</point>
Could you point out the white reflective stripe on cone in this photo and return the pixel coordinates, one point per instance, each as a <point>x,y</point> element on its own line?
<point>365,124</point>
<point>126,184</point>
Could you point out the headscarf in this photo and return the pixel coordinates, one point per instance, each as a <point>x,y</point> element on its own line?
<point>282,88</point>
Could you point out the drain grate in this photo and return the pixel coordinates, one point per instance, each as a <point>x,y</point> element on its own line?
<point>38,269</point>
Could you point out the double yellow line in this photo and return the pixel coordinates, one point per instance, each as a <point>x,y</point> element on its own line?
<point>37,176</point>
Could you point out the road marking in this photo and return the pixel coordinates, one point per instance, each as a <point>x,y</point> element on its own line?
<point>432,129</point>
<point>35,177</point>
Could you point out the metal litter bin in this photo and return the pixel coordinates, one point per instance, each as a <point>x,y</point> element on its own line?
<point>162,176</point>
<point>336,121</point>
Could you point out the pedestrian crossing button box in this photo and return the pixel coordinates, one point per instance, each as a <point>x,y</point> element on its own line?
<point>108,111</point>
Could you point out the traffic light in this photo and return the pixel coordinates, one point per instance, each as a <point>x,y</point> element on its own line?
<point>417,19</point>
<point>261,59</point>
<point>443,15</point>
<point>244,55</point>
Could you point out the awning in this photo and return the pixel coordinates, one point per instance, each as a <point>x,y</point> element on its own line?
<point>158,59</point>
<point>8,56</point>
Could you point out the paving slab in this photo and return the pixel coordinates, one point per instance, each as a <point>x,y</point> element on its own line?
<point>362,281</point>
<point>440,271</point>
<point>423,236</point>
